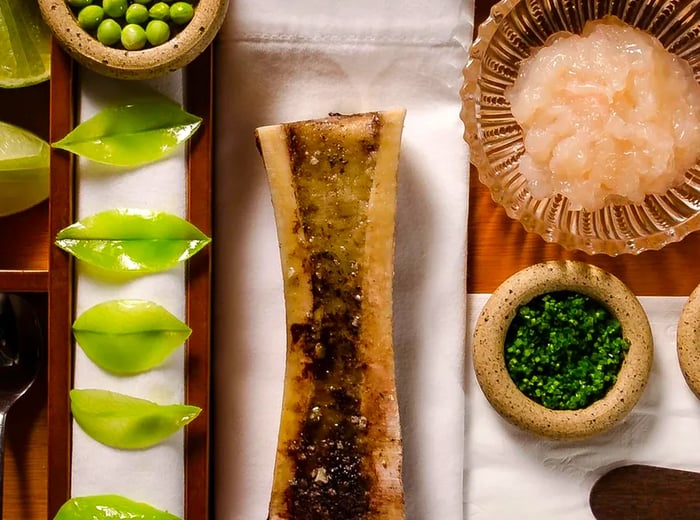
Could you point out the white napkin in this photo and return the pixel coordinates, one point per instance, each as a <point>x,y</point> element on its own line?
<point>281,61</point>
<point>154,475</point>
<point>510,474</point>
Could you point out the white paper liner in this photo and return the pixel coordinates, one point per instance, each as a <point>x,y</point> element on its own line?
<point>280,62</point>
<point>154,475</point>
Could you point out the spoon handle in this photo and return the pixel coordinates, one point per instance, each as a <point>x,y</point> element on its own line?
<point>640,492</point>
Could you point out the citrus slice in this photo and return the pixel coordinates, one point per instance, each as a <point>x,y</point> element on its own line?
<point>24,169</point>
<point>24,44</point>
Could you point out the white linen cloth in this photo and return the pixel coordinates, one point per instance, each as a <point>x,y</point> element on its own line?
<point>153,475</point>
<point>510,474</point>
<point>280,61</point>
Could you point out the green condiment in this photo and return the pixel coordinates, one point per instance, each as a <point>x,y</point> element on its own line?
<point>564,350</point>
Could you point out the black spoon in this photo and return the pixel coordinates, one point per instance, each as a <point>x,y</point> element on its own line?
<point>20,344</point>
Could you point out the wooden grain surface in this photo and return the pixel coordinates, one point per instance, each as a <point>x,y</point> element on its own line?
<point>640,492</point>
<point>499,246</point>
<point>23,268</point>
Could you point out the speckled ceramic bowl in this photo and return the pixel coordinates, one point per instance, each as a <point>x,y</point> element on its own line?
<point>180,50</point>
<point>507,37</point>
<point>688,340</point>
<point>493,324</point>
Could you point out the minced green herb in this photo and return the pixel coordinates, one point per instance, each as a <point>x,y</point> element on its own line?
<point>564,350</point>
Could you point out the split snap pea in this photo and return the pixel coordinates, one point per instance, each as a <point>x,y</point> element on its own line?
<point>128,423</point>
<point>132,134</point>
<point>129,336</point>
<point>132,240</point>
<point>110,507</point>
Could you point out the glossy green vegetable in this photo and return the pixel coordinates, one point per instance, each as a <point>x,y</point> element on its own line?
<point>90,17</point>
<point>136,13</point>
<point>114,8</point>
<point>109,32</point>
<point>129,336</point>
<point>564,350</point>
<point>133,37</point>
<point>126,422</point>
<point>181,12</point>
<point>132,240</point>
<point>157,32</point>
<point>131,134</point>
<point>160,11</point>
<point>110,507</point>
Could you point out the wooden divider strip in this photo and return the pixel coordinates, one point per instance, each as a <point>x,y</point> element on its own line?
<point>60,359</point>
<point>199,101</point>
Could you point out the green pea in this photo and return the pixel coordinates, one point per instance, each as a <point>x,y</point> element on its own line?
<point>160,11</point>
<point>114,8</point>
<point>181,12</point>
<point>137,13</point>
<point>109,32</point>
<point>79,3</point>
<point>143,2</point>
<point>133,37</point>
<point>157,32</point>
<point>90,17</point>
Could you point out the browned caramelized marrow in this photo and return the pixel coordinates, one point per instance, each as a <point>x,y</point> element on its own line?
<point>333,184</point>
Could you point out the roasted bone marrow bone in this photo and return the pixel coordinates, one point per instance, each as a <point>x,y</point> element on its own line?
<point>333,187</point>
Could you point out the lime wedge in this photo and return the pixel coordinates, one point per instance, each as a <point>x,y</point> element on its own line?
<point>24,169</point>
<point>24,44</point>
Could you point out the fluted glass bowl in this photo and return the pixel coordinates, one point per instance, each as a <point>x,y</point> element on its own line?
<point>513,29</point>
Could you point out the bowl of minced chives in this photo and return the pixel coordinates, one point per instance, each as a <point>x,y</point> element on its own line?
<point>134,39</point>
<point>563,350</point>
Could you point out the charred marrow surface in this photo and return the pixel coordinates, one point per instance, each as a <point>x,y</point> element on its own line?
<point>333,186</point>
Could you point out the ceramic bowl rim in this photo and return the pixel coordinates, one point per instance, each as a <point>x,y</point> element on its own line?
<point>172,55</point>
<point>688,341</point>
<point>495,319</point>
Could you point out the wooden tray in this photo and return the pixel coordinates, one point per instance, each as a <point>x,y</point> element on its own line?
<point>38,450</point>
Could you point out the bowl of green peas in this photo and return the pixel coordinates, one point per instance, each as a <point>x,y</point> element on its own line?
<point>134,39</point>
<point>563,350</point>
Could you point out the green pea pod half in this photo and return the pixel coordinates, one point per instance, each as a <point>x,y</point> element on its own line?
<point>132,134</point>
<point>110,507</point>
<point>126,422</point>
<point>129,336</point>
<point>133,240</point>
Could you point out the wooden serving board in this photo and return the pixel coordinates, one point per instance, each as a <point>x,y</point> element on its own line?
<point>641,492</point>
<point>38,449</point>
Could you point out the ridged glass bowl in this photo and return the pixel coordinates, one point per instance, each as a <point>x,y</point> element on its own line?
<point>513,29</point>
